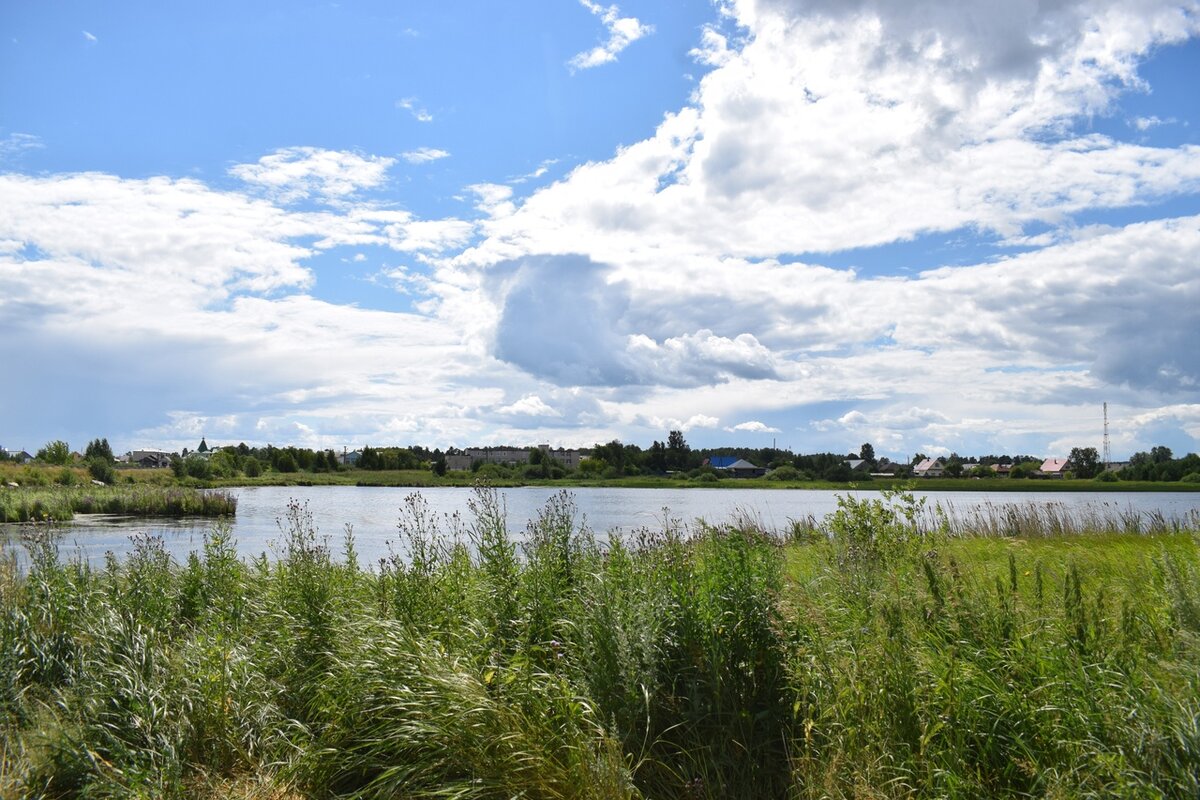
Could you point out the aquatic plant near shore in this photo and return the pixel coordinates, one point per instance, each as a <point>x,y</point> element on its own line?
<point>59,504</point>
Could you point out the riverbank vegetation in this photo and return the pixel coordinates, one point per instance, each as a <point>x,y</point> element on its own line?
<point>879,652</point>
<point>663,465</point>
<point>59,503</point>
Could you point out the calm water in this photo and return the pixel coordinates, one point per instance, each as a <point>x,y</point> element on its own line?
<point>375,512</point>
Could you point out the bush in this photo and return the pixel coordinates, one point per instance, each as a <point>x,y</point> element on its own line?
<point>1191,477</point>
<point>101,470</point>
<point>1106,477</point>
<point>785,473</point>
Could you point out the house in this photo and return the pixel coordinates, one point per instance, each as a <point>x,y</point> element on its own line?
<point>1054,467</point>
<point>736,467</point>
<point>19,456</point>
<point>151,459</point>
<point>1002,470</point>
<point>929,468</point>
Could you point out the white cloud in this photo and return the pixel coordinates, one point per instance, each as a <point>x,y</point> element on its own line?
<point>294,173</point>
<point>714,48</point>
<point>423,155</point>
<point>16,144</point>
<point>412,106</point>
<point>529,405</point>
<point>90,37</point>
<point>436,235</point>
<point>622,32</point>
<point>1146,123</point>
<point>752,426</point>
<point>825,125</point>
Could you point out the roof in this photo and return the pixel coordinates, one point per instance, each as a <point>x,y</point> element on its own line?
<point>742,464</point>
<point>722,462</point>
<point>926,465</point>
<point>1054,464</point>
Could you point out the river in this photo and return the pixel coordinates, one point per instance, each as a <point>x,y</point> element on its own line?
<point>373,513</point>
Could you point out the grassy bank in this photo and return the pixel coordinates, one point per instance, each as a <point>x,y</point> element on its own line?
<point>865,657</point>
<point>61,503</point>
<point>419,479</point>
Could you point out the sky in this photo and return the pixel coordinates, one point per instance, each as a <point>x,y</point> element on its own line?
<point>932,225</point>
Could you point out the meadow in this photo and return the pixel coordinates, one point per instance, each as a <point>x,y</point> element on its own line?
<point>884,651</point>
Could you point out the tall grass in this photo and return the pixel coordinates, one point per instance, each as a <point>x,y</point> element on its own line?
<point>61,503</point>
<point>880,657</point>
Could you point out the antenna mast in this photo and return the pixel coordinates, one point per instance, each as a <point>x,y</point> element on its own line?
<point>1107,452</point>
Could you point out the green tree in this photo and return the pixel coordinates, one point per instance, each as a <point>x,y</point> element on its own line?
<point>1160,454</point>
<point>286,462</point>
<point>1085,461</point>
<point>678,451</point>
<point>55,452</point>
<point>438,465</point>
<point>99,448</point>
<point>867,453</point>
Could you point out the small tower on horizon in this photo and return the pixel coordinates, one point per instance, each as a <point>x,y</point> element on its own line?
<point>1107,456</point>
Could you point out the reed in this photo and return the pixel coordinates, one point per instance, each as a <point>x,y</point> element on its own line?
<point>61,503</point>
<point>880,652</point>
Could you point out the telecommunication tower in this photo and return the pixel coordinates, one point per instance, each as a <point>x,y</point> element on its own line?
<point>1107,453</point>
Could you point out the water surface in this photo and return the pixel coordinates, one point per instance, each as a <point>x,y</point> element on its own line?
<point>373,512</point>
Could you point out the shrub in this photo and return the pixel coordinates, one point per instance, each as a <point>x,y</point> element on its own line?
<point>1106,477</point>
<point>101,470</point>
<point>1191,477</point>
<point>787,472</point>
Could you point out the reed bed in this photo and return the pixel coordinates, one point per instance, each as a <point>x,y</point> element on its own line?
<point>61,503</point>
<point>874,658</point>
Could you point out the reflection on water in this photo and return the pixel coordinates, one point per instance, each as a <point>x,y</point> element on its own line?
<point>373,513</point>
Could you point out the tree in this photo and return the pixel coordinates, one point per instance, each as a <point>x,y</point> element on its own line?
<point>1085,461</point>
<point>438,465</point>
<point>56,452</point>
<point>954,466</point>
<point>1160,454</point>
<point>656,457</point>
<point>99,448</point>
<point>678,451</point>
<point>867,453</point>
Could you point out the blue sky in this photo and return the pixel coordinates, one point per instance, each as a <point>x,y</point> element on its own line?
<point>936,226</point>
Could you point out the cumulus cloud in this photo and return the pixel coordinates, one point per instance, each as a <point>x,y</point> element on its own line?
<point>752,426</point>
<point>529,405</point>
<point>622,32</point>
<point>423,155</point>
<point>830,118</point>
<point>295,173</point>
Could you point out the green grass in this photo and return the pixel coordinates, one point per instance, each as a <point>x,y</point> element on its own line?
<point>880,652</point>
<point>61,503</point>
